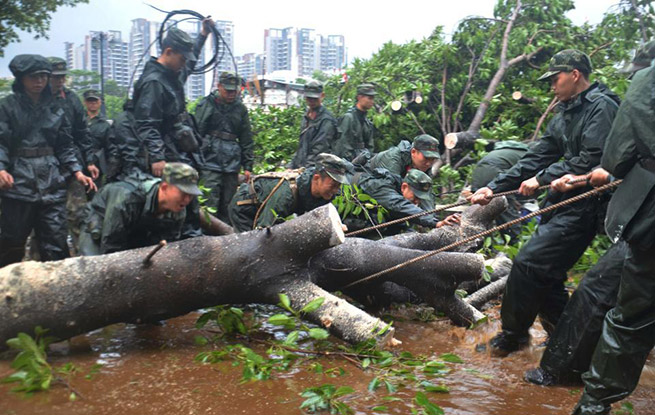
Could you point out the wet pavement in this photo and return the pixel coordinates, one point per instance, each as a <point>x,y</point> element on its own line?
<point>151,370</point>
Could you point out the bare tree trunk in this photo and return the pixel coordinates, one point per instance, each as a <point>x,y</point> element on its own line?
<point>640,18</point>
<point>76,295</point>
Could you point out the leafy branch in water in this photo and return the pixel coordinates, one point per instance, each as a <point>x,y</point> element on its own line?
<point>33,373</point>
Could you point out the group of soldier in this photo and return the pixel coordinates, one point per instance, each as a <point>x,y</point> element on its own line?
<point>64,170</point>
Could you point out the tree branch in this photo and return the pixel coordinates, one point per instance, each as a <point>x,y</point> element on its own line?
<point>543,118</point>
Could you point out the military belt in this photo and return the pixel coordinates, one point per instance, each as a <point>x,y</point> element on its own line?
<point>31,152</point>
<point>648,164</point>
<point>223,135</point>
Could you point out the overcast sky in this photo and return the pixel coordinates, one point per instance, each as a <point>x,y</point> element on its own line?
<point>365,24</point>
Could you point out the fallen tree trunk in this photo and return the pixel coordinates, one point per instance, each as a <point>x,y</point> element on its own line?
<point>77,295</point>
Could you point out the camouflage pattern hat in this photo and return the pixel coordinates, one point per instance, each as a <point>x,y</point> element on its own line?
<point>58,65</point>
<point>230,81</point>
<point>29,64</point>
<point>183,176</point>
<point>566,61</point>
<point>427,145</point>
<point>179,41</point>
<point>335,167</point>
<point>420,183</point>
<point>643,58</point>
<point>313,89</point>
<point>366,89</point>
<point>91,94</point>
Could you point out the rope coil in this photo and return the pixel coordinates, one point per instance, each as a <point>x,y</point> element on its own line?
<point>488,231</point>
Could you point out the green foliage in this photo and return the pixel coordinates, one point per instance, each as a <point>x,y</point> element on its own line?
<point>353,202</point>
<point>229,319</point>
<point>113,106</point>
<point>293,321</point>
<point>626,409</point>
<point>325,398</point>
<point>427,407</point>
<point>32,371</point>
<point>29,16</point>
<point>275,133</point>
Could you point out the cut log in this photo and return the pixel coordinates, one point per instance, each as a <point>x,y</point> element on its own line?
<point>475,219</point>
<point>77,295</point>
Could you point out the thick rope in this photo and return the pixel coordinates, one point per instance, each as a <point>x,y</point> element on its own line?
<point>488,232</point>
<point>446,207</point>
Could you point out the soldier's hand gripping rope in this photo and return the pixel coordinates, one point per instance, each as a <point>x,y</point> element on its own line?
<point>491,230</point>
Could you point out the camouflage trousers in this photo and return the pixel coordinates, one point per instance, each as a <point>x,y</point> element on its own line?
<point>222,187</point>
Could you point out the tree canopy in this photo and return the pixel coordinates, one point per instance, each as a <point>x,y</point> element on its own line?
<point>31,16</point>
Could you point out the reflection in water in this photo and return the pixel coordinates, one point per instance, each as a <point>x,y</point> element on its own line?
<point>149,369</point>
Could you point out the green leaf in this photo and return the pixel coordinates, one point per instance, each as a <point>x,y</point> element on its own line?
<point>280,320</point>
<point>374,384</point>
<point>431,387</point>
<point>318,334</point>
<point>200,340</point>
<point>285,302</point>
<point>313,305</point>
<point>451,358</point>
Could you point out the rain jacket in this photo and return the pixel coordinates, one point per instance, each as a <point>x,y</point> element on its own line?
<point>25,126</point>
<point>226,134</point>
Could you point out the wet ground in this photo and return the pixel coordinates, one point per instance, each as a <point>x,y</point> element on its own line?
<point>151,370</point>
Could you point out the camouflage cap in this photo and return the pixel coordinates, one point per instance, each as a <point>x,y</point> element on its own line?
<point>28,64</point>
<point>179,41</point>
<point>230,81</point>
<point>58,65</point>
<point>91,94</point>
<point>643,58</point>
<point>313,89</point>
<point>427,145</point>
<point>366,89</point>
<point>566,61</point>
<point>183,176</point>
<point>335,167</point>
<point>420,183</point>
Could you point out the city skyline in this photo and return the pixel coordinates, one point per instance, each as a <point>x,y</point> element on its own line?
<point>366,25</point>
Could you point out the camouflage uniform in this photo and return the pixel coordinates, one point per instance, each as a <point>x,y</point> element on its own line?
<point>385,188</point>
<point>227,144</point>
<point>70,102</point>
<point>398,159</point>
<point>36,148</point>
<point>355,130</point>
<point>290,194</point>
<point>124,215</point>
<point>105,151</point>
<point>317,135</point>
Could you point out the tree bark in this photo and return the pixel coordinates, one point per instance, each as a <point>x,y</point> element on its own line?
<point>77,295</point>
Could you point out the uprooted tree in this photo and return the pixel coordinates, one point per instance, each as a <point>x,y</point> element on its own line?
<point>304,258</point>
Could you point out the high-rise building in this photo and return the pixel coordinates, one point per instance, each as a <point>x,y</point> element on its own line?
<point>226,29</point>
<point>300,52</point>
<point>115,63</point>
<point>143,44</point>
<point>250,64</point>
<point>333,53</point>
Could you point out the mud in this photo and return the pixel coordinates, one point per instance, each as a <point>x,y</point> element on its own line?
<point>151,370</point>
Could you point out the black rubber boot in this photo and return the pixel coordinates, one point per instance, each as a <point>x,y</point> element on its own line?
<point>541,377</point>
<point>507,342</point>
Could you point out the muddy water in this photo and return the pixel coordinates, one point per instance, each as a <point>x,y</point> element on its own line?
<point>150,370</point>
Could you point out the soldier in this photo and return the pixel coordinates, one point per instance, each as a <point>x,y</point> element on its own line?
<point>36,157</point>
<point>572,144</point>
<point>421,154</point>
<point>164,128</point>
<point>355,130</point>
<point>644,56</point>
<point>628,333</point>
<point>139,211</point>
<point>224,124</point>
<point>572,344</point>
<point>76,114</point>
<point>404,196</point>
<point>318,129</point>
<point>105,151</point>
<point>271,197</point>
